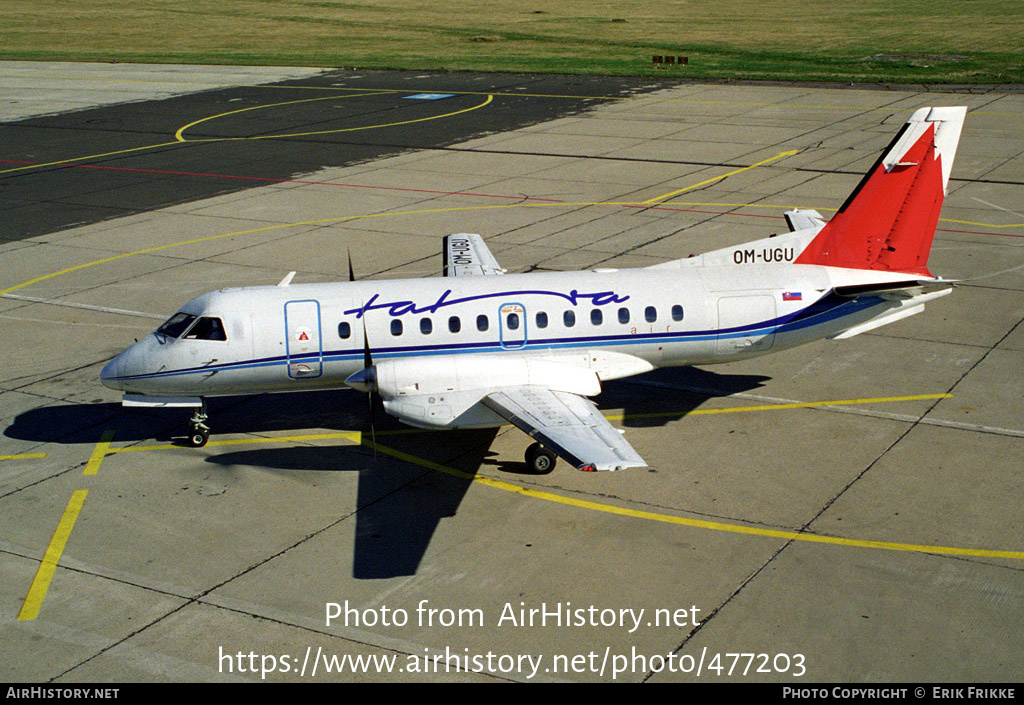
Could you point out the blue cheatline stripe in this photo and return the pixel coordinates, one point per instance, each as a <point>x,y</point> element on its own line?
<point>826,309</point>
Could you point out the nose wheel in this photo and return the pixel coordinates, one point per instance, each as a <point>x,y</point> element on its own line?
<point>198,431</point>
<point>540,460</point>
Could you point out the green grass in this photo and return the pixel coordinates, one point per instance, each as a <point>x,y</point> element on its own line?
<point>967,41</point>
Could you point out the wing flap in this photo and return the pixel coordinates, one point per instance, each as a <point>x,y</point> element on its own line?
<point>568,424</point>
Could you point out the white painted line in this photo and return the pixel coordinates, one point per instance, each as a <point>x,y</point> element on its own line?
<point>88,307</point>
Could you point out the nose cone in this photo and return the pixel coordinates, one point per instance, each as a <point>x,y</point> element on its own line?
<point>110,375</point>
<point>365,380</point>
<point>117,374</point>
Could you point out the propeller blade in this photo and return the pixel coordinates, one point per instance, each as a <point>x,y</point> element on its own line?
<point>351,273</point>
<point>373,424</point>
<point>367,357</point>
<point>365,380</point>
<point>369,371</point>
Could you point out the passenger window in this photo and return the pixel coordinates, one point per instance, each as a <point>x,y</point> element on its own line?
<point>176,325</point>
<point>596,317</point>
<point>396,327</point>
<point>512,321</point>
<point>569,319</point>
<point>677,313</point>
<point>650,314</point>
<point>344,330</point>
<point>426,326</point>
<point>542,320</point>
<point>623,315</point>
<point>482,323</point>
<point>454,324</point>
<point>207,329</point>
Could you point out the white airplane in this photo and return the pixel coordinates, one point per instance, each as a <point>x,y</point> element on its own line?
<point>474,349</point>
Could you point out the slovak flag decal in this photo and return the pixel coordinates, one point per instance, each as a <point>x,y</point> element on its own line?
<point>792,296</point>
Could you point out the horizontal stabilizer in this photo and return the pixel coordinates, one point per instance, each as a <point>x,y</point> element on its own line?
<point>466,254</point>
<point>906,305</point>
<point>895,289</point>
<point>801,219</point>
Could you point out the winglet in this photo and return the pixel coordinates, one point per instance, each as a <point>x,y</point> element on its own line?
<point>888,222</point>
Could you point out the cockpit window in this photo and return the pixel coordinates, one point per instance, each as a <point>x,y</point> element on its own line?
<point>176,325</point>
<point>207,329</point>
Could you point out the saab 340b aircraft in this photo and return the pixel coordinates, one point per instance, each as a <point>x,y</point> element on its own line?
<point>474,349</point>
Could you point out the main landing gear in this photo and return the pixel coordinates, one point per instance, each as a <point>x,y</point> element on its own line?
<point>198,431</point>
<point>540,460</point>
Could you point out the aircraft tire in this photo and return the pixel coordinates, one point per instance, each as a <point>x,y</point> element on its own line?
<point>540,460</point>
<point>197,438</point>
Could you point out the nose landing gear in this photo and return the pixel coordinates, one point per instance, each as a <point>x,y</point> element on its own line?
<point>198,431</point>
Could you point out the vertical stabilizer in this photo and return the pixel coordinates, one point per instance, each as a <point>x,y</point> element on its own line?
<point>888,222</point>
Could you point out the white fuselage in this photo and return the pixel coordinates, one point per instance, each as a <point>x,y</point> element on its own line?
<point>613,322</point>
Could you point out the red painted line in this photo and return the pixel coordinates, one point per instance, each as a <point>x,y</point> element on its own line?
<point>267,179</point>
<point>640,206</point>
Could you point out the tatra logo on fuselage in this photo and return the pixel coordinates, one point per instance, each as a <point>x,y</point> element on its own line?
<point>401,308</point>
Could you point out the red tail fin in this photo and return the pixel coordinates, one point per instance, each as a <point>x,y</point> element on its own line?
<point>889,221</point>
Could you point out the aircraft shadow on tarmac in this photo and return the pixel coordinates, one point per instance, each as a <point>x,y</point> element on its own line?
<point>400,504</point>
<point>651,399</point>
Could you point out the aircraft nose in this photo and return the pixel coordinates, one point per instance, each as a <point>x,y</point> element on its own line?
<point>110,375</point>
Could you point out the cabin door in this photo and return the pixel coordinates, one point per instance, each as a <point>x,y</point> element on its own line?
<point>303,348</point>
<point>512,326</point>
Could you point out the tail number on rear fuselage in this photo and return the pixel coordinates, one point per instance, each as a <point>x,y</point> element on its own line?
<point>767,255</point>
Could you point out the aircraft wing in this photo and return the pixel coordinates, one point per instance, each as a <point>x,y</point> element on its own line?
<point>466,254</point>
<point>568,424</point>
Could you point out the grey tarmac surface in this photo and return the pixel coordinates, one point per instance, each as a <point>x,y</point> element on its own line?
<point>901,448</point>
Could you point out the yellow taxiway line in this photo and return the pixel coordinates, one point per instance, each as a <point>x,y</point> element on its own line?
<point>779,407</point>
<point>179,137</point>
<point>358,438</point>
<point>102,449</point>
<point>342,219</point>
<point>700,523</point>
<point>670,194</point>
<point>342,89</point>
<point>99,453</point>
<point>48,566</point>
<point>41,582</point>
